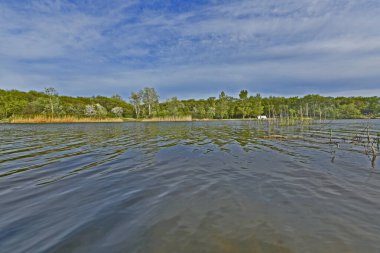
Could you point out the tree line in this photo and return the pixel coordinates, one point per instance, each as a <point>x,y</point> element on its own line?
<point>14,103</point>
<point>146,104</point>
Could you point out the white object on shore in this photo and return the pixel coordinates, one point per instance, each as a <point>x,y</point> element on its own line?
<point>262,117</point>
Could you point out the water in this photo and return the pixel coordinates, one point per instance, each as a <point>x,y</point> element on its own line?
<point>234,186</point>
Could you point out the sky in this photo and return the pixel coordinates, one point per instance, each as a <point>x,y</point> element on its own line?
<point>191,49</point>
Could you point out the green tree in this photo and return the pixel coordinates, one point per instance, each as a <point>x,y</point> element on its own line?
<point>174,107</point>
<point>101,111</point>
<point>244,107</point>
<point>222,105</point>
<point>136,101</point>
<point>150,99</point>
<point>348,111</point>
<point>256,105</point>
<point>53,98</point>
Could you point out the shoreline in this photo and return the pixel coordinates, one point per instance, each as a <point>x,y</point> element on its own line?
<point>57,120</point>
<point>154,120</point>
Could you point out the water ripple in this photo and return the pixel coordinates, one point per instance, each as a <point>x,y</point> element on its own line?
<point>228,186</point>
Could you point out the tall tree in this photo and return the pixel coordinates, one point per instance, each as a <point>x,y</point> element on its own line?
<point>136,100</point>
<point>174,106</point>
<point>222,105</point>
<point>53,99</point>
<point>150,98</point>
<point>244,103</point>
<point>256,105</point>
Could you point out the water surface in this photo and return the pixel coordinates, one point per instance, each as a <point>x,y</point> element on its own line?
<point>234,186</point>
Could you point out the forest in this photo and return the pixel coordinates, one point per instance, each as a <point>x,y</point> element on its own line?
<point>145,104</point>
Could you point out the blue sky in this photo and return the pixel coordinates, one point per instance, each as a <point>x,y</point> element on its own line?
<point>191,48</point>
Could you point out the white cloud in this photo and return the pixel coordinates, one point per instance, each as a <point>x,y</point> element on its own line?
<point>86,49</point>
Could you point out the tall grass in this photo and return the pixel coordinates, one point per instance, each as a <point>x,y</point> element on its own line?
<point>62,119</point>
<point>169,118</point>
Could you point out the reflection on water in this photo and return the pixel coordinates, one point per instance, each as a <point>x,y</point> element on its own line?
<point>236,186</point>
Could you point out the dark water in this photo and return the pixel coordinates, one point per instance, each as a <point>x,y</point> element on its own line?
<point>189,187</point>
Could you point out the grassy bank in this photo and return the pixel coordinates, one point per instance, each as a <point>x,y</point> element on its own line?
<point>64,119</point>
<point>168,119</point>
<point>73,119</point>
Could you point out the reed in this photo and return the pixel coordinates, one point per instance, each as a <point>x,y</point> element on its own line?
<point>168,118</point>
<point>40,119</point>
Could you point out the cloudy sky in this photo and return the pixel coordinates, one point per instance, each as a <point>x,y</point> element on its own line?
<point>191,48</point>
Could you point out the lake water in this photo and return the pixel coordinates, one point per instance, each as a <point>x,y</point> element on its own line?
<point>231,186</point>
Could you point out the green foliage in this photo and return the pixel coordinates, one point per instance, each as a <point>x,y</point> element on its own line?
<point>256,106</point>
<point>349,111</point>
<point>222,106</point>
<point>145,104</point>
<point>244,104</point>
<point>150,100</point>
<point>28,104</point>
<point>136,100</point>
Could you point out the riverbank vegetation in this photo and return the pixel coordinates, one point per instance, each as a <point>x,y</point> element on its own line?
<point>49,106</point>
<point>61,119</point>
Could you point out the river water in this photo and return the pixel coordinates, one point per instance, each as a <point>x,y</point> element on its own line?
<point>229,186</point>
